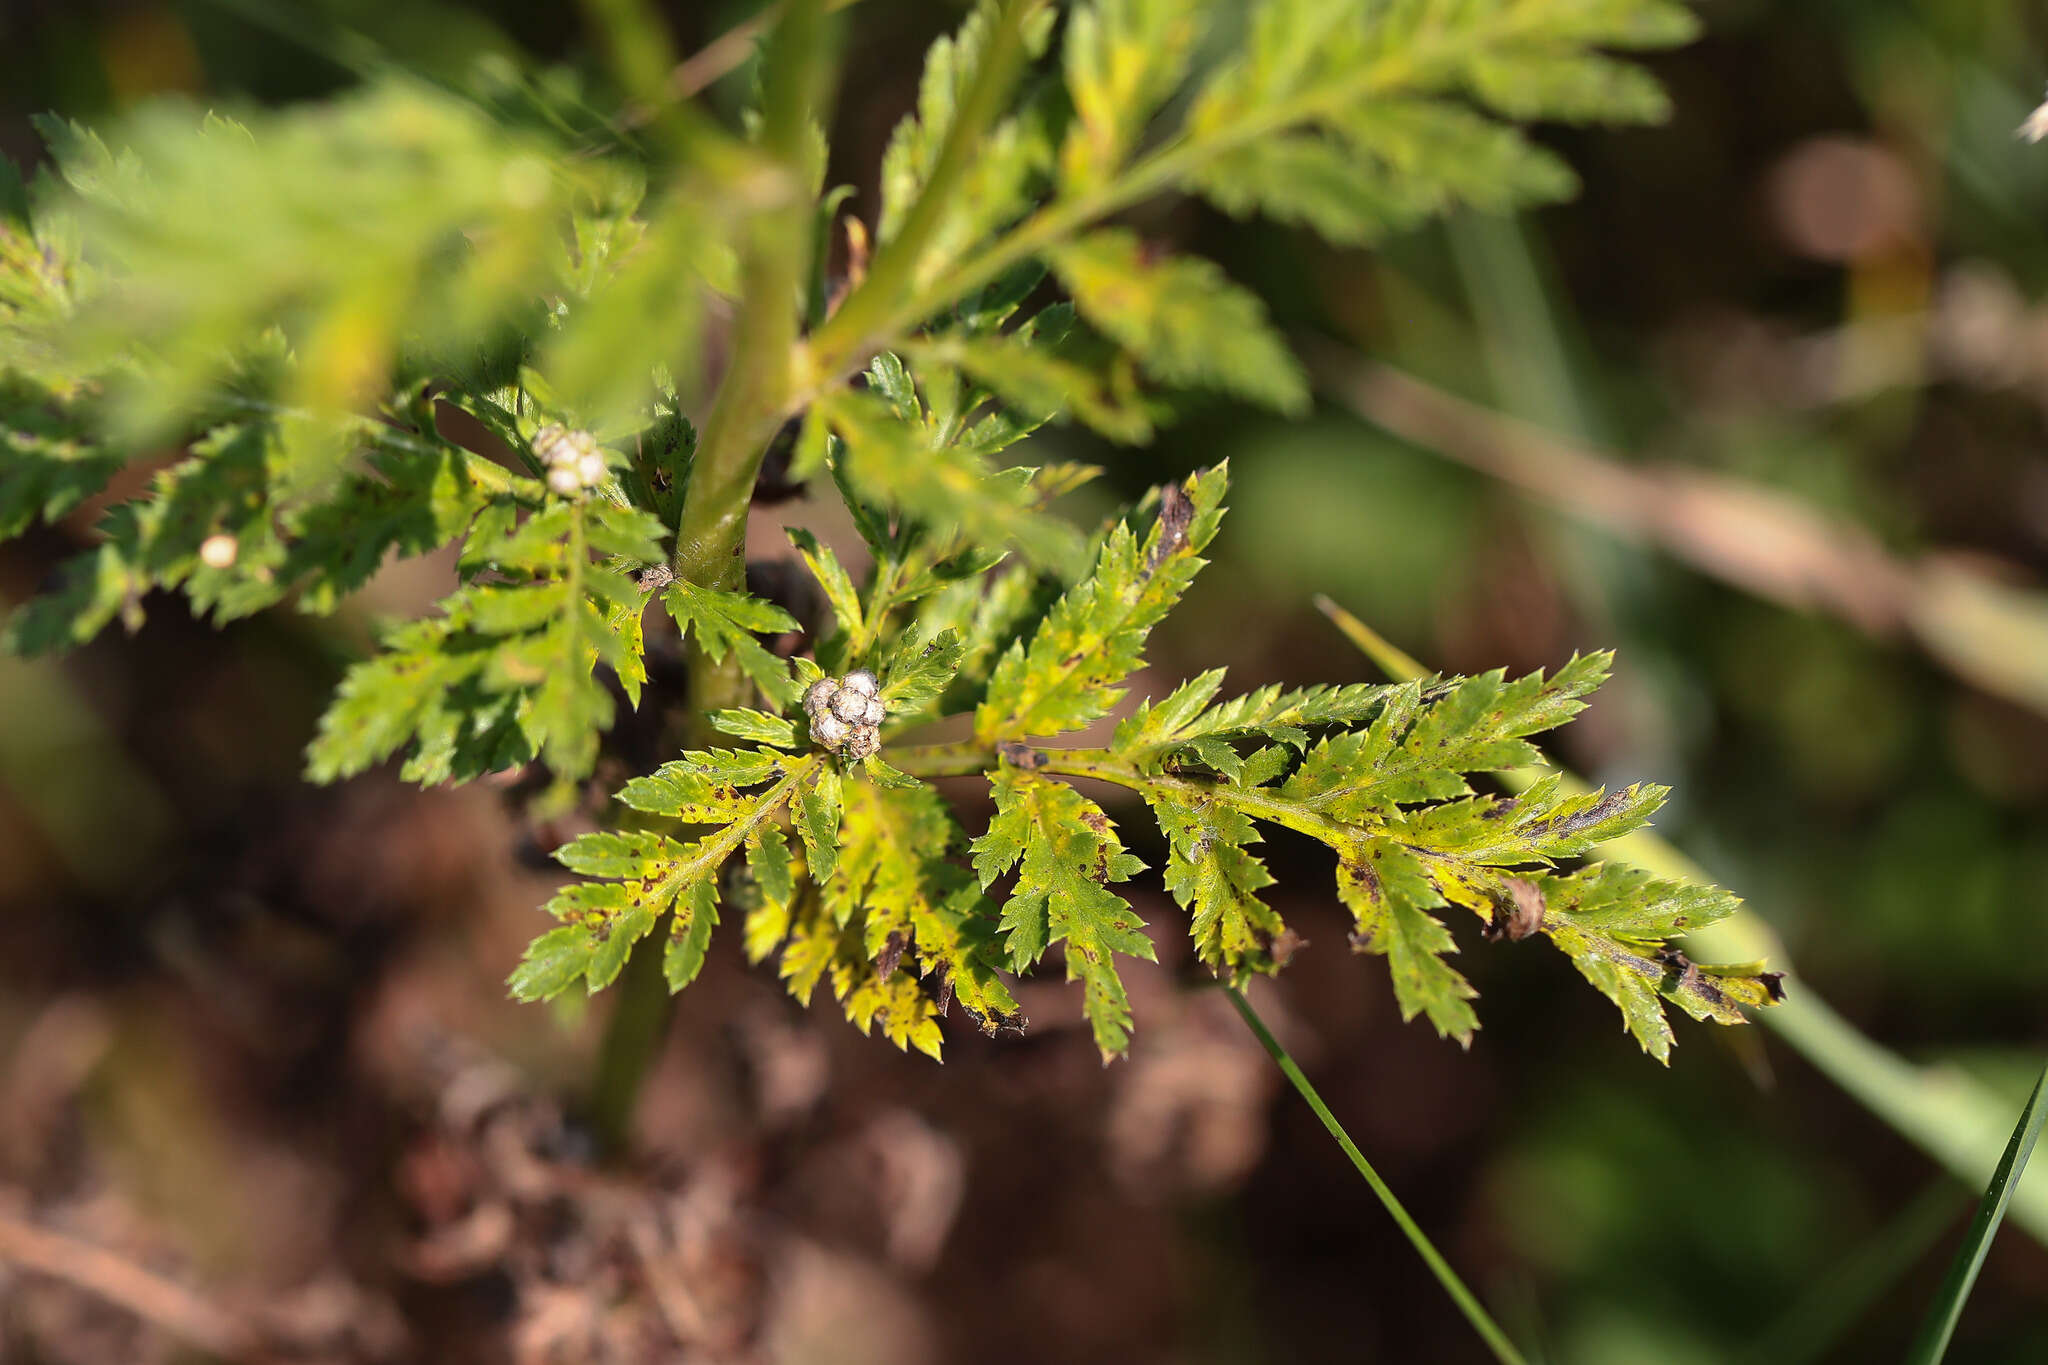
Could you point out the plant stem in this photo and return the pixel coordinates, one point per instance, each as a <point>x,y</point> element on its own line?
<point>711,535</point>
<point>632,1036</point>
<point>945,760</point>
<point>958,760</point>
<point>1468,1304</point>
<point>1252,801</point>
<point>849,337</point>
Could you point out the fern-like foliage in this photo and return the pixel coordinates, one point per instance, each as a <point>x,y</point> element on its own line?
<point>872,891</point>
<point>472,318</point>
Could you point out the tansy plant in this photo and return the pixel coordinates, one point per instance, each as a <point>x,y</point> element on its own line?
<point>472,313</point>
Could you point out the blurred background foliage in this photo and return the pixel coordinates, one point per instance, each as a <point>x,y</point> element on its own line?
<point>1764,408</point>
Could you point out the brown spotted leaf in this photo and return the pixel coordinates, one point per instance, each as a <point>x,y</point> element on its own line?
<point>1390,896</point>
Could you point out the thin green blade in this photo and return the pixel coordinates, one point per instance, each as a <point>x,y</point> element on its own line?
<point>1962,1276</point>
<point>1468,1302</point>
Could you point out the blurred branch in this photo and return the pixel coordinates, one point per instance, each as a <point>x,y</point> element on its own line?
<point>724,54</point>
<point>1951,1117</point>
<point>1990,635</point>
<point>149,1296</point>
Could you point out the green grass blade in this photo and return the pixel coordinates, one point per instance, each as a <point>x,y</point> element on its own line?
<point>1949,1116</point>
<point>1962,1276</point>
<point>1468,1303</point>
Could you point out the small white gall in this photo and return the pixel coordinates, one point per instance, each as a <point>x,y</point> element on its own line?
<point>877,712</point>
<point>818,698</point>
<point>218,551</point>
<point>830,731</point>
<point>590,467</point>
<point>564,481</point>
<point>863,742</point>
<point>850,706</point>
<point>862,681</point>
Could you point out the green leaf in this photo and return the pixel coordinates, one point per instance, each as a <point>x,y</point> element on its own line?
<point>1932,1342</point>
<point>1212,876</point>
<point>768,865</point>
<point>917,916</point>
<point>703,788</point>
<point>883,775</point>
<point>1123,59</point>
<point>1540,826</point>
<point>1612,921</point>
<point>1385,167</point>
<point>726,623</point>
<point>1182,319</point>
<point>1067,854</point>
<point>947,489</point>
<point>1424,740</point>
<point>689,935</point>
<point>832,577</point>
<point>1185,721</point>
<point>1007,156</point>
<point>395,217</point>
<point>643,294</point>
<point>1040,383</point>
<point>644,875</point>
<point>919,670</point>
<point>1390,896</point>
<point>817,820</point>
<point>758,726</point>
<point>49,462</point>
<point>1094,636</point>
<point>426,684</point>
<point>1573,87</point>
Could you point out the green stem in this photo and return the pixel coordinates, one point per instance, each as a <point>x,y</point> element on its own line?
<point>1468,1303</point>
<point>1253,801</point>
<point>641,1005</point>
<point>855,331</point>
<point>749,405</point>
<point>958,760</point>
<point>711,535</point>
<point>945,760</point>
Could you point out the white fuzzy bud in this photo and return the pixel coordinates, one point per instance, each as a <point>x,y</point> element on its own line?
<point>818,699</point>
<point>877,712</point>
<point>830,731</point>
<point>850,706</point>
<point>570,451</point>
<point>863,742</point>
<point>547,440</point>
<point>564,481</point>
<point>861,681</point>
<point>218,551</point>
